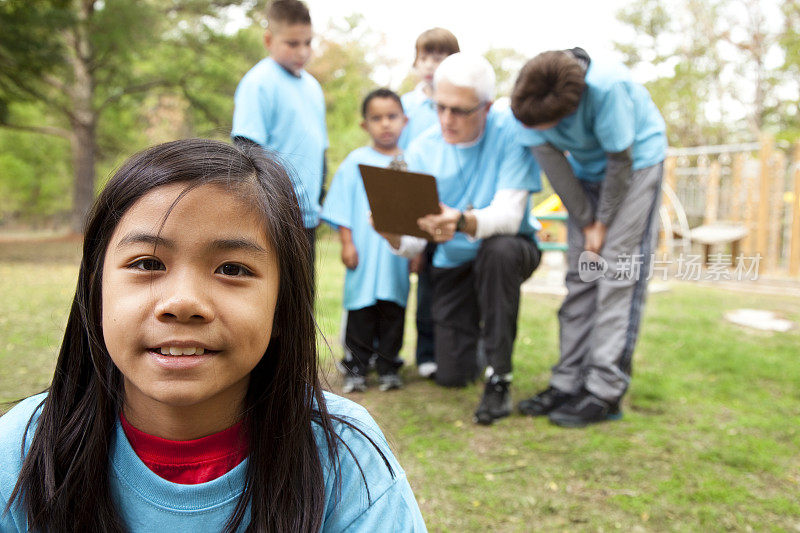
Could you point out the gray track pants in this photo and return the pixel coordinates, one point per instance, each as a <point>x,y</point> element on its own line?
<point>599,320</point>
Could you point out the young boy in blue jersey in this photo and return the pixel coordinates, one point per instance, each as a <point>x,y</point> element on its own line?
<point>376,283</point>
<point>432,47</point>
<point>280,106</point>
<point>610,182</point>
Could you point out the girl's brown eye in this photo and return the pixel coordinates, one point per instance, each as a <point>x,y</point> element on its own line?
<point>232,269</point>
<point>148,264</point>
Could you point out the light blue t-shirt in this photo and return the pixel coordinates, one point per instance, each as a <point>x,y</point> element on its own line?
<point>286,114</point>
<point>149,503</point>
<point>614,113</point>
<point>380,274</point>
<point>467,177</point>
<point>421,113</point>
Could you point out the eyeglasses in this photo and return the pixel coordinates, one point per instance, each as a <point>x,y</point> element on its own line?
<point>457,111</point>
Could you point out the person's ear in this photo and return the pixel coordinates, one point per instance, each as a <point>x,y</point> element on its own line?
<point>267,39</point>
<point>363,125</point>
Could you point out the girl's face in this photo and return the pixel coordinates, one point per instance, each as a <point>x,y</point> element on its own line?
<point>188,308</point>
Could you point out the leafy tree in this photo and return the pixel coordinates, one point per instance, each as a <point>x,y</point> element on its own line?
<point>506,63</point>
<point>344,62</point>
<point>35,175</point>
<point>712,59</point>
<point>789,107</point>
<point>86,62</point>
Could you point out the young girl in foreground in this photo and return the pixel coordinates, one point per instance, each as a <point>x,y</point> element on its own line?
<point>186,396</point>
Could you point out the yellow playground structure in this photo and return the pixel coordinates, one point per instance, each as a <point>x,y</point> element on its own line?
<point>553,217</point>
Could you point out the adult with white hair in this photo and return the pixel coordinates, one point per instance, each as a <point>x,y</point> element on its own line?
<point>486,247</point>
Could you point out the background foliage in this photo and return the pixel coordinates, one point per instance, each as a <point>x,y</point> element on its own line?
<point>726,69</point>
<point>720,71</point>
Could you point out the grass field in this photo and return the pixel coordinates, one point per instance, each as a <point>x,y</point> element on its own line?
<point>710,440</point>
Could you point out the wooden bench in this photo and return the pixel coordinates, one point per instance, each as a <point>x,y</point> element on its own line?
<point>719,233</point>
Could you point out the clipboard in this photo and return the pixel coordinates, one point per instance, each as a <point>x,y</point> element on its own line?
<point>397,198</point>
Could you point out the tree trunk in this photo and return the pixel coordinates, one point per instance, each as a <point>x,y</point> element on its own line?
<point>83,146</point>
<point>83,120</point>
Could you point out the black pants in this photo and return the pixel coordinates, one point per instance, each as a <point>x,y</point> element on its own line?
<point>383,321</point>
<point>425,343</point>
<point>485,291</point>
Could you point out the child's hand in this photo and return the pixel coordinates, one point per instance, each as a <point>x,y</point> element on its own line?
<point>349,255</point>
<point>393,239</point>
<point>594,236</point>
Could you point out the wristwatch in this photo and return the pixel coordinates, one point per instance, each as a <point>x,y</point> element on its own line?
<point>462,222</point>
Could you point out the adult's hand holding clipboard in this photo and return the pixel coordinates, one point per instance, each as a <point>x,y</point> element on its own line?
<point>397,198</point>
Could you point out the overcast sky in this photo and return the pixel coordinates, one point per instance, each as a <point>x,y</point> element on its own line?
<point>528,26</point>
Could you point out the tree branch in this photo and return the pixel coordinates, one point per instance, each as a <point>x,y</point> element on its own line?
<point>21,87</point>
<point>198,105</point>
<point>44,130</point>
<point>134,89</point>
<point>54,82</point>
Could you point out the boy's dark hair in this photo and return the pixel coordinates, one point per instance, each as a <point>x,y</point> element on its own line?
<point>379,93</point>
<point>436,41</point>
<point>549,87</point>
<point>287,12</point>
<point>64,480</point>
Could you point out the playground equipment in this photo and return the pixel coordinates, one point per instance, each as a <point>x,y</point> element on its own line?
<point>742,199</point>
<point>553,217</point>
<point>674,224</point>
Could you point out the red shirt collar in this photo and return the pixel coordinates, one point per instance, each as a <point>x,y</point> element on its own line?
<point>189,462</point>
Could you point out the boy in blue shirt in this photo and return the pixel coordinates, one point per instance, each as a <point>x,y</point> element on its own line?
<point>280,106</point>
<point>376,283</point>
<point>601,141</point>
<point>432,47</point>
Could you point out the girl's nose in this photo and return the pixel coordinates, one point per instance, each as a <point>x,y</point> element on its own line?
<point>184,300</point>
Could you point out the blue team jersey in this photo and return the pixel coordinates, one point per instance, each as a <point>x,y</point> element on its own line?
<point>467,177</point>
<point>286,114</point>
<point>421,113</point>
<point>359,496</point>
<point>614,113</point>
<point>380,274</point>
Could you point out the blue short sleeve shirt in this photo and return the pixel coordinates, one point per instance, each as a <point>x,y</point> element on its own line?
<point>286,114</point>
<point>380,274</point>
<point>467,177</point>
<point>614,113</point>
<point>421,113</point>
<point>361,493</point>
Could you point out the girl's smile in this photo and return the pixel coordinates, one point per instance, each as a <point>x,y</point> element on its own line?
<point>188,305</point>
<point>181,355</point>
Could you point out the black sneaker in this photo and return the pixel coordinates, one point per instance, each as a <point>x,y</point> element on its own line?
<point>544,402</point>
<point>495,403</point>
<point>583,410</point>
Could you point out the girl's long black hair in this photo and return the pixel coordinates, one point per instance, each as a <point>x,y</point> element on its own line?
<point>64,481</point>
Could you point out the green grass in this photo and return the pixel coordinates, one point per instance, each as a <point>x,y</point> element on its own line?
<point>709,440</point>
